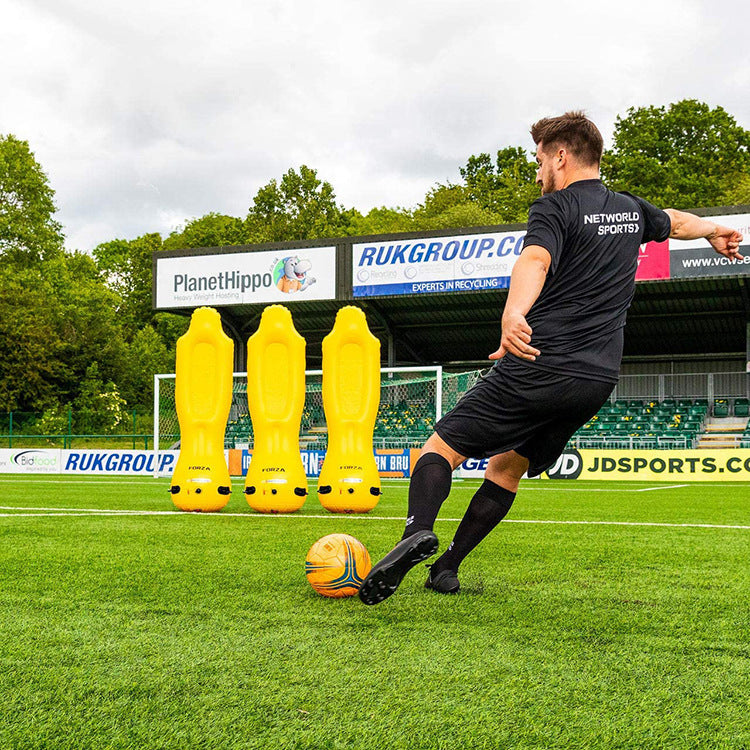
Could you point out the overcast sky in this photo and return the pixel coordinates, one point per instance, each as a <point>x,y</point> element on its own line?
<point>145,114</point>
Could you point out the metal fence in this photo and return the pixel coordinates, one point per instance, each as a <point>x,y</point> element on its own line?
<point>23,429</point>
<point>709,385</point>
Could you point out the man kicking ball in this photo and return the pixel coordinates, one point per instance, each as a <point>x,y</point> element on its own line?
<point>560,349</point>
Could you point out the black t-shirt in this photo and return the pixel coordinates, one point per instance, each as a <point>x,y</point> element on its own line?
<point>593,235</point>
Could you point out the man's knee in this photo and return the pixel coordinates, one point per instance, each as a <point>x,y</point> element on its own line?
<point>506,470</point>
<point>436,444</point>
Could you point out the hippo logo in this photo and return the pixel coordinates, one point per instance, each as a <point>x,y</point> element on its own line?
<point>291,274</point>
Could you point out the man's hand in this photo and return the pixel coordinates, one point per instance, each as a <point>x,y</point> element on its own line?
<point>726,241</point>
<point>516,338</point>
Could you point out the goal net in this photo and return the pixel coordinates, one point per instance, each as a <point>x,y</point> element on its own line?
<point>412,399</point>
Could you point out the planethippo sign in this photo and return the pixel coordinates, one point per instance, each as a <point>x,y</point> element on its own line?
<point>246,278</point>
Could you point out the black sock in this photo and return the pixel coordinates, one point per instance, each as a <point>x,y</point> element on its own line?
<point>487,508</point>
<point>429,486</point>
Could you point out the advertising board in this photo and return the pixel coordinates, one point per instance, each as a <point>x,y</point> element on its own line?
<point>473,262</point>
<point>721,465</point>
<point>390,463</point>
<point>435,264</point>
<point>264,276</point>
<point>30,461</point>
<point>57,461</point>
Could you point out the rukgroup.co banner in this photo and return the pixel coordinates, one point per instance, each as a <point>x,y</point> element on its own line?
<point>725,465</point>
<point>244,278</point>
<point>118,462</point>
<point>435,264</point>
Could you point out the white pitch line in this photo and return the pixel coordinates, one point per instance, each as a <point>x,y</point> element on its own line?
<point>90,510</point>
<point>144,480</point>
<point>668,487</point>
<point>72,515</point>
<point>90,514</point>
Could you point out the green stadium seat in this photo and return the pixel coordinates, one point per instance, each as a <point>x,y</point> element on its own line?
<point>721,407</point>
<point>741,407</point>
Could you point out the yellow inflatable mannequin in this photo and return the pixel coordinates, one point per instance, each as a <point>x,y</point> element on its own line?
<point>276,480</point>
<point>349,480</point>
<point>203,390</point>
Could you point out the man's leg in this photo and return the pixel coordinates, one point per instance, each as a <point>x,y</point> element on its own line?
<point>430,484</point>
<point>487,508</point>
<point>428,488</point>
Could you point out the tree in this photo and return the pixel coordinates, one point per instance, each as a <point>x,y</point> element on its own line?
<point>144,356</point>
<point>30,346</point>
<point>451,206</point>
<point>98,408</point>
<point>738,193</point>
<point>128,266</point>
<point>211,230</point>
<point>686,155</point>
<point>28,231</point>
<point>506,188</point>
<point>381,220</point>
<point>89,322</point>
<point>298,207</point>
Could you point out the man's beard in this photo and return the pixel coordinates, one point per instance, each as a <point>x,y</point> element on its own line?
<point>548,184</point>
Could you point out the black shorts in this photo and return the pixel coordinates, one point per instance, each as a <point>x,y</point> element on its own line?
<point>522,408</point>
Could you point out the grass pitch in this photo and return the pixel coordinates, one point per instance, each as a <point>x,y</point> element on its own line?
<point>194,631</point>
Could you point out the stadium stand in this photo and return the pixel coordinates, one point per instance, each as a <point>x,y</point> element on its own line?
<point>688,334</point>
<point>622,423</point>
<point>669,423</point>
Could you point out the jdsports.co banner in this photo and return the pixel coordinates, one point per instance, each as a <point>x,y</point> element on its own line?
<point>435,264</point>
<point>727,465</point>
<point>245,278</point>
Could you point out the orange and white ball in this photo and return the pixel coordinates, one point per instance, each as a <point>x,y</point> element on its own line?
<point>336,565</point>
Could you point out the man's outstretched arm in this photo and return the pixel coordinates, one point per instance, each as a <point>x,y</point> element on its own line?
<point>526,282</point>
<point>686,226</point>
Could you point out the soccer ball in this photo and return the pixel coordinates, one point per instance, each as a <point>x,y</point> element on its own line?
<point>336,565</point>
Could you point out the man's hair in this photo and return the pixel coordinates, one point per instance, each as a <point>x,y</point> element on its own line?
<point>574,131</point>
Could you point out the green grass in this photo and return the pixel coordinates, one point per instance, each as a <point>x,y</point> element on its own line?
<point>195,631</point>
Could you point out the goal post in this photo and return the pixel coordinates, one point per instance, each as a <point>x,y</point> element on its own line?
<point>411,401</point>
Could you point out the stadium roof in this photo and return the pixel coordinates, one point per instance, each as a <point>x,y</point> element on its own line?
<point>669,317</point>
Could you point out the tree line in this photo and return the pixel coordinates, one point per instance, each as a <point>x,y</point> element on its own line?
<point>77,331</point>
